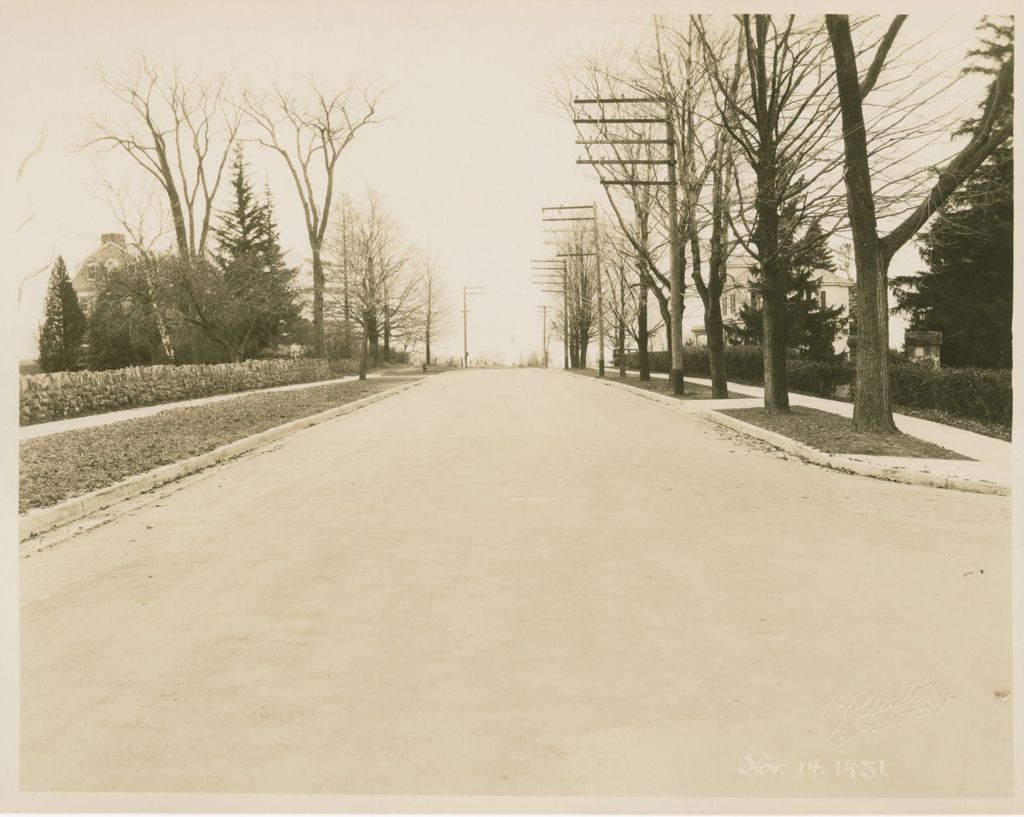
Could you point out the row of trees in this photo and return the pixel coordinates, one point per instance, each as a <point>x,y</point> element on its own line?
<point>181,131</point>
<point>380,294</point>
<point>223,289</point>
<point>763,119</point>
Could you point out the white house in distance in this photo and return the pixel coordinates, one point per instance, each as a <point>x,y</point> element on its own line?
<point>112,254</point>
<point>835,291</point>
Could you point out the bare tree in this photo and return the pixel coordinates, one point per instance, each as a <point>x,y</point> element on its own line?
<point>435,308</point>
<point>780,117</point>
<point>640,208</point>
<point>310,132</point>
<point>578,312</point>
<point>873,252</point>
<point>180,131</point>
<point>385,296</point>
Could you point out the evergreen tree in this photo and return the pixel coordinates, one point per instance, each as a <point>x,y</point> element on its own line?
<point>256,281</point>
<point>967,291</point>
<point>810,329</point>
<point>63,329</point>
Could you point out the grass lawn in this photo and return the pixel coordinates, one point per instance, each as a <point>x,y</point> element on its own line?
<point>71,463</point>
<point>691,391</point>
<point>834,434</point>
<point>990,428</point>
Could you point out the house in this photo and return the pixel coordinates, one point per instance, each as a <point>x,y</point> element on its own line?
<point>112,254</point>
<point>834,291</point>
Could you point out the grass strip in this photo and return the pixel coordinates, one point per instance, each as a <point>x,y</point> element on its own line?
<point>834,434</point>
<point>691,391</point>
<point>67,464</point>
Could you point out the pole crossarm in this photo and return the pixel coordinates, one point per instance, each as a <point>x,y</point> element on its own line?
<point>623,100</point>
<point>622,161</point>
<point>622,141</point>
<point>575,254</point>
<point>568,207</point>
<point>570,218</point>
<point>618,121</point>
<point>644,183</point>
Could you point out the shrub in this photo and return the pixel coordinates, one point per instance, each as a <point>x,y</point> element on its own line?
<point>46,397</point>
<point>981,394</point>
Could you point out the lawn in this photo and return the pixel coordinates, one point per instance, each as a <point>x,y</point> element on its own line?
<point>834,434</point>
<point>691,391</point>
<point>71,463</point>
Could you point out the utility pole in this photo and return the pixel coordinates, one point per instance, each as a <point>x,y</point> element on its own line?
<point>466,292</point>
<point>544,270</point>
<point>676,272</point>
<point>575,214</point>
<point>600,300</point>
<point>544,332</point>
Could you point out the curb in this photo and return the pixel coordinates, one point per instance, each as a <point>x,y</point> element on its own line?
<point>41,520</point>
<point>839,462</point>
<point>836,462</point>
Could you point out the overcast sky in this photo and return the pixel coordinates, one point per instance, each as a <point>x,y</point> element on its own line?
<point>472,149</point>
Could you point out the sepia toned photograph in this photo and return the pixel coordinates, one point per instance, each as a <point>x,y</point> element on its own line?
<point>509,406</point>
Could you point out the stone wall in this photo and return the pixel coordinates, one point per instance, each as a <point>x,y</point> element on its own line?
<point>46,397</point>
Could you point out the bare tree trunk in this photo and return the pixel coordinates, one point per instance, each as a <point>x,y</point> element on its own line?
<point>318,300</point>
<point>713,328</point>
<point>773,343</point>
<point>716,350</point>
<point>427,338</point>
<point>872,408</point>
<point>773,332</point>
<point>643,341</point>
<point>622,324</point>
<point>363,355</point>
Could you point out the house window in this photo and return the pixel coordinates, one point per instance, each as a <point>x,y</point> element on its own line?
<point>725,306</point>
<point>732,303</point>
<point>821,299</point>
<point>755,300</point>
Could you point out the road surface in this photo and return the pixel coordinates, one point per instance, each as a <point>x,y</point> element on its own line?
<point>523,582</point>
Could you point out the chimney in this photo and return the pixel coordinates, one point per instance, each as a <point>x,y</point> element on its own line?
<point>113,238</point>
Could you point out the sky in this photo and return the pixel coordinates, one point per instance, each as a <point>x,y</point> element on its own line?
<point>472,147</point>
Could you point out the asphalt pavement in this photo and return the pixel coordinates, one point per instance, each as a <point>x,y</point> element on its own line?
<point>519,582</point>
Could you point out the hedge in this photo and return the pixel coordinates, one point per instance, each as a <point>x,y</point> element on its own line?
<point>980,394</point>
<point>46,397</point>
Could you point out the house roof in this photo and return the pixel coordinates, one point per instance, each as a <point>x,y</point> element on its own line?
<point>830,279</point>
<point>109,250</point>
<point>738,278</point>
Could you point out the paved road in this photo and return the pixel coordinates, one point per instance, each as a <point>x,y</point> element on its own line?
<point>522,582</point>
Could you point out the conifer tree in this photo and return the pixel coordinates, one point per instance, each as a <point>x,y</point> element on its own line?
<point>967,291</point>
<point>63,329</point>
<point>256,280</point>
<point>810,328</point>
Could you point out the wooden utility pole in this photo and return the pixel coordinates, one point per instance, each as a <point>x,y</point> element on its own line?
<point>544,332</point>
<point>669,141</point>
<point>675,268</point>
<point>543,270</point>
<point>466,292</point>
<point>600,300</point>
<point>575,212</point>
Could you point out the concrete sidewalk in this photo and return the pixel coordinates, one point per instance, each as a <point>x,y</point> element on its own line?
<point>106,418</point>
<point>988,471</point>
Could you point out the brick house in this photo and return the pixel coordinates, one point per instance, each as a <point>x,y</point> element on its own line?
<point>112,254</point>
